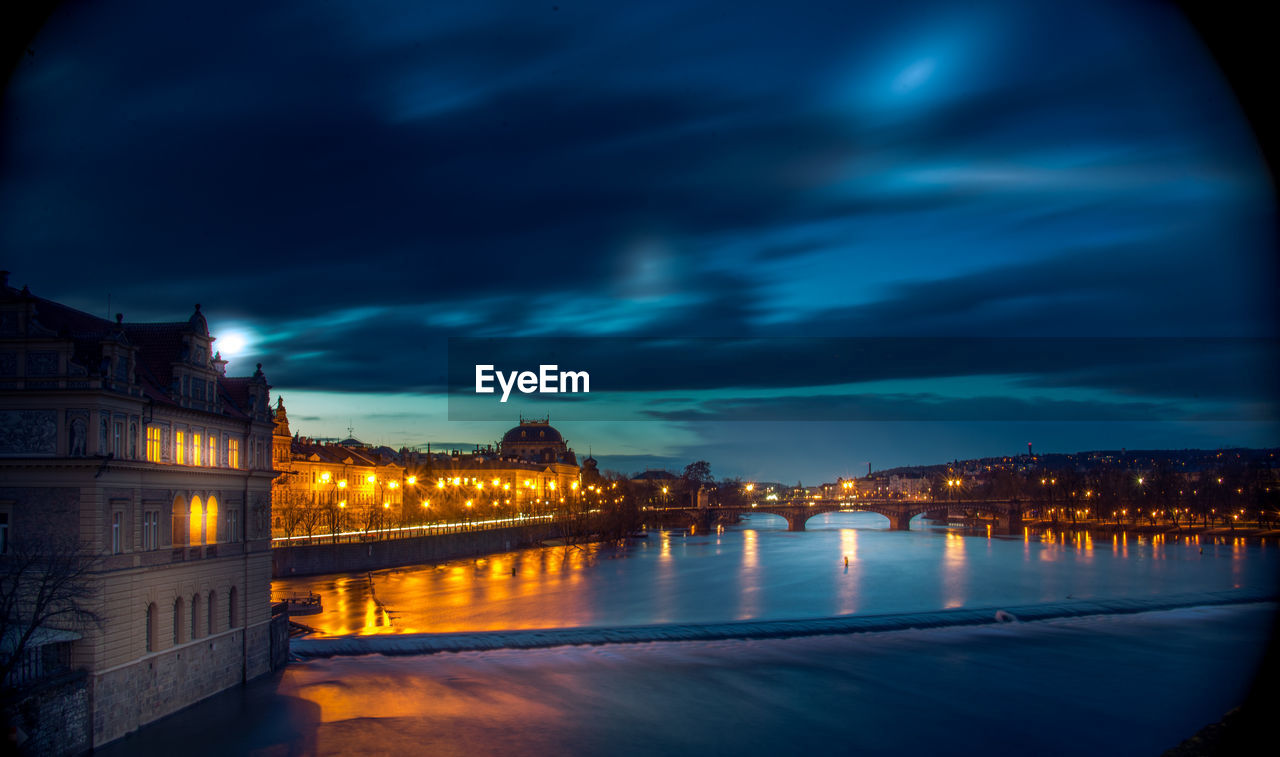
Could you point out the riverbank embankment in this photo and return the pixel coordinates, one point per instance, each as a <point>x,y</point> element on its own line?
<point>355,557</point>
<point>1167,529</point>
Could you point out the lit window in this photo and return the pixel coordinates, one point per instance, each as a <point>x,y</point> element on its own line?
<point>233,453</point>
<point>212,450</point>
<point>195,449</point>
<point>180,448</point>
<point>153,444</point>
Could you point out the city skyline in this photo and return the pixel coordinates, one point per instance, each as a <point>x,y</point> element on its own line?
<point>343,196</point>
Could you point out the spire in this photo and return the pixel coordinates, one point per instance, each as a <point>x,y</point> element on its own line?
<point>197,322</point>
<point>281,418</point>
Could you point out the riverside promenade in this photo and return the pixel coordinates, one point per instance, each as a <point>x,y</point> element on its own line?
<point>292,560</point>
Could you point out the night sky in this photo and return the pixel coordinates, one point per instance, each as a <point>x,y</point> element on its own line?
<point>344,185</point>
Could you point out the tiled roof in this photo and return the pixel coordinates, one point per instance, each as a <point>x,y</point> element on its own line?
<point>330,453</point>
<point>159,346</point>
<point>235,395</point>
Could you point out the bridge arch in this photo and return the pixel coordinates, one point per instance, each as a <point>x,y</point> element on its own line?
<point>845,518</point>
<point>765,520</point>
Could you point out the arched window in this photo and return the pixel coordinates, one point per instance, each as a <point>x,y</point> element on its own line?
<point>195,616</point>
<point>195,523</point>
<point>151,627</point>
<point>233,609</point>
<point>213,603</point>
<point>179,518</point>
<point>211,520</point>
<point>177,621</point>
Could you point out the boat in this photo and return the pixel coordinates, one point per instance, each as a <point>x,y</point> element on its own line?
<point>303,604</point>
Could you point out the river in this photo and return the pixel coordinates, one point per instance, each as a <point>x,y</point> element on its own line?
<point>760,571</point>
<point>1103,684</point>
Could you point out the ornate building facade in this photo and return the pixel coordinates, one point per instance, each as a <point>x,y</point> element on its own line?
<point>131,437</point>
<point>325,489</point>
<point>358,491</point>
<point>532,470</point>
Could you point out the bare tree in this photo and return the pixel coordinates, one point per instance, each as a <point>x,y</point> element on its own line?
<point>45,583</point>
<point>292,508</point>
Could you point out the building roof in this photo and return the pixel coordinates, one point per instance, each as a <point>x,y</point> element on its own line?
<point>655,475</point>
<point>336,454</point>
<point>158,346</point>
<point>532,432</point>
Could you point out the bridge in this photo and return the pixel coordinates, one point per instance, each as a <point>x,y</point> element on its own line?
<point>1006,514</point>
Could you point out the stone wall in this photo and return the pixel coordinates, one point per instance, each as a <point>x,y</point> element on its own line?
<point>53,718</point>
<point>165,682</point>
<point>279,630</point>
<point>316,559</point>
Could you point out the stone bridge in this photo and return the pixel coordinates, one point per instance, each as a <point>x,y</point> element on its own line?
<point>1006,514</point>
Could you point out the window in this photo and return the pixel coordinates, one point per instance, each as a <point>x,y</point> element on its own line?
<point>117,443</point>
<point>233,526</point>
<point>4,533</point>
<point>195,523</point>
<point>195,617</point>
<point>195,449</point>
<point>212,606</point>
<point>178,521</point>
<point>153,444</point>
<point>133,441</point>
<point>211,520</point>
<point>180,448</point>
<point>233,614</point>
<point>116,519</point>
<point>177,621</point>
<point>151,530</point>
<point>233,453</point>
<point>151,627</point>
<point>211,451</point>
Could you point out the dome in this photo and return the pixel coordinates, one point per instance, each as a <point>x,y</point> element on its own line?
<point>532,433</point>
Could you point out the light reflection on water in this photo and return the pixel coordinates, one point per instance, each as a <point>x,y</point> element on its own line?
<point>758,570</point>
<point>1139,684</point>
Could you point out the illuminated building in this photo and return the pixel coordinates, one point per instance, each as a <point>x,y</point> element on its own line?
<point>331,488</point>
<point>131,436</point>
<point>531,470</point>
<point>659,488</point>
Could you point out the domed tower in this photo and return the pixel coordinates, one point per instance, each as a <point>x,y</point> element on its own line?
<point>536,441</point>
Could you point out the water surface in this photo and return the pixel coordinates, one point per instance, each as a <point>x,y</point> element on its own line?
<point>759,570</point>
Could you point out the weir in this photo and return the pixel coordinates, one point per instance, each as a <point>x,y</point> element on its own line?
<point>419,644</point>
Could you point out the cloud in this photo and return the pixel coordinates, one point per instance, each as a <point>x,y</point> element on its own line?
<point>355,184</point>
